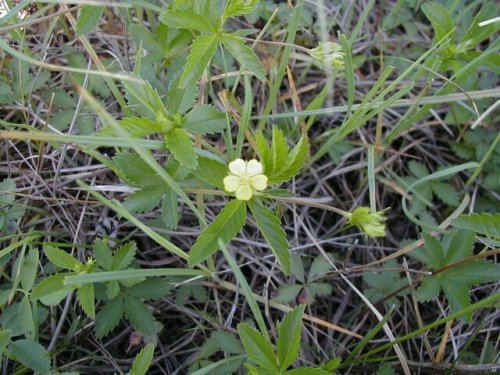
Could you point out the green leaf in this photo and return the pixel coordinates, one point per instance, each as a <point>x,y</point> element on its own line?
<point>202,50</point>
<point>146,95</point>
<point>244,55</point>
<point>289,333</point>
<point>109,317</point>
<point>211,171</point>
<point>32,355</point>
<point>29,270</point>
<point>124,256</point>
<point>60,258</point>
<point>461,246</point>
<point>258,349</point>
<point>146,199</point>
<point>264,153</point>
<point>295,161</point>
<point>279,152</point>
<point>179,143</point>
<point>102,254</point>
<point>483,223</point>
<point>440,19</point>
<point>319,267</point>
<point>170,209</point>
<point>4,339</point>
<point>476,34</point>
<point>287,293</point>
<point>307,371</point>
<point>434,252</point>
<point>418,169</point>
<point>49,285</point>
<point>446,193</point>
<point>137,170</point>
<point>143,360</point>
<point>86,298</point>
<point>236,8</point>
<point>205,119</point>
<point>152,288</point>
<point>180,100</point>
<point>136,127</point>
<point>139,315</point>
<point>25,317</point>
<point>273,233</point>
<point>88,20</point>
<point>227,342</point>
<point>225,226</point>
<point>179,19</point>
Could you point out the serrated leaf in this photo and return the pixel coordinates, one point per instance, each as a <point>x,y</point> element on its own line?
<point>142,36</point>
<point>205,119</point>
<point>152,288</point>
<point>258,349</point>
<point>32,355</point>
<point>109,317</point>
<point>124,256</point>
<point>289,333</point>
<point>236,8</point>
<point>60,258</point>
<point>25,317</point>
<point>88,20</point>
<point>29,270</point>
<point>264,153</point>
<point>433,251</point>
<point>296,160</point>
<point>211,172</point>
<point>180,99</point>
<point>49,285</point>
<point>146,199</point>
<point>139,315</point>
<point>446,193</point>
<point>136,127</point>
<point>483,223</point>
<point>429,289</point>
<point>279,152</point>
<point>86,298</point>
<point>181,146</point>
<point>225,226</point>
<point>417,169</point>
<point>137,170</point>
<point>244,55</point>
<point>146,95</point>
<point>461,246</point>
<point>202,50</point>
<point>112,289</point>
<point>476,33</point>
<point>102,254</point>
<point>227,342</point>
<point>143,360</point>
<point>319,267</point>
<point>307,371</point>
<point>271,229</point>
<point>440,18</point>
<point>287,293</point>
<point>170,209</point>
<point>179,19</point>
<point>319,289</point>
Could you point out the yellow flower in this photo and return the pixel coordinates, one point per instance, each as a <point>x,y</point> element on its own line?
<point>245,178</point>
<point>372,223</point>
<point>330,54</point>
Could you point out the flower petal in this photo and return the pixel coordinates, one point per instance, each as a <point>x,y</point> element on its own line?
<point>244,192</point>
<point>258,182</point>
<point>238,167</point>
<point>254,167</point>
<point>231,183</point>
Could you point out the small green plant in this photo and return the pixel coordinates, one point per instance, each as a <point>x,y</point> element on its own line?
<point>10,210</point>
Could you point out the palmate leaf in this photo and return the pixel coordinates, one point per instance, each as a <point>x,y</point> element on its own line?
<point>440,19</point>
<point>225,226</point>
<point>455,281</point>
<point>294,163</point>
<point>181,146</point>
<point>243,54</point>
<point>236,8</point>
<point>124,256</point>
<point>270,226</point>
<point>202,50</point>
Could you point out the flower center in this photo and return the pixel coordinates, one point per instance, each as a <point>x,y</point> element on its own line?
<point>244,179</point>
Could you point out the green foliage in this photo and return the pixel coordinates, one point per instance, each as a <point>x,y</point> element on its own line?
<point>89,18</point>
<point>484,223</point>
<point>32,355</point>
<point>260,351</point>
<point>10,211</point>
<point>280,163</point>
<point>385,282</point>
<point>204,46</point>
<point>270,227</point>
<point>423,194</point>
<point>306,288</point>
<point>225,227</point>
<point>143,360</point>
<point>457,272</point>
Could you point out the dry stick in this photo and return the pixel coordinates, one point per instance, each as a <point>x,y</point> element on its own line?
<point>278,306</point>
<point>417,311</point>
<point>380,317</point>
